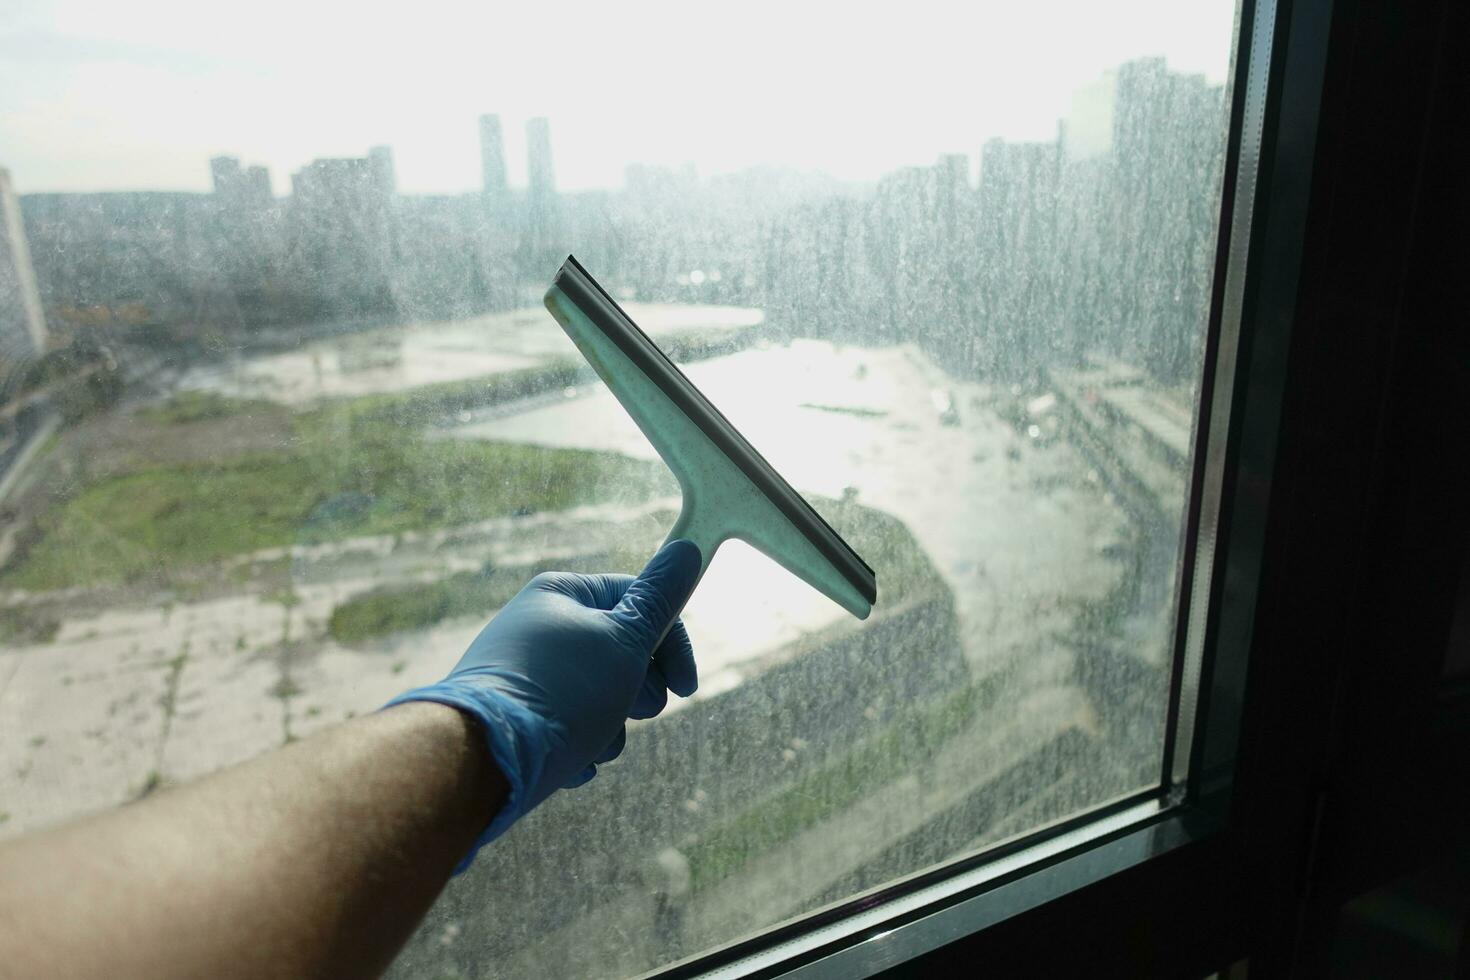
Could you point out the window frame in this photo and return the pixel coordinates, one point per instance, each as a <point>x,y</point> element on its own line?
<point>1167,855</point>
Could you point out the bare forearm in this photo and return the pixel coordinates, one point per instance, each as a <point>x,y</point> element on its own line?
<point>320,858</point>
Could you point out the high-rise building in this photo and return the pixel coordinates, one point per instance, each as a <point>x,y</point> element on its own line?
<point>382,173</point>
<point>343,224</point>
<point>543,241</point>
<point>1139,144</point>
<point>257,184</point>
<point>225,173</point>
<point>361,184</point>
<point>492,156</point>
<point>540,179</point>
<point>1134,109</point>
<point>235,187</point>
<point>22,325</point>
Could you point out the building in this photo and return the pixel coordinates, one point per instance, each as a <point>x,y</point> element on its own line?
<point>1138,145</point>
<point>492,156</point>
<point>543,245</point>
<point>243,240</point>
<point>368,181</point>
<point>540,178</point>
<point>240,188</point>
<point>343,227</point>
<point>22,325</point>
<point>224,173</point>
<point>1133,112</point>
<point>381,172</point>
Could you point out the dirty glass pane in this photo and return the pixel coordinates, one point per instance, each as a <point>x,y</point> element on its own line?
<point>284,422</point>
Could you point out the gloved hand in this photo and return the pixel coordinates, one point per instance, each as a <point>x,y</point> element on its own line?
<point>558,671</point>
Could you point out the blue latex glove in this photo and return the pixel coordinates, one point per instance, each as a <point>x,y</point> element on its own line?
<point>558,671</point>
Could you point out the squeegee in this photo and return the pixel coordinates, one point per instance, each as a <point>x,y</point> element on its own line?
<point>729,490</point>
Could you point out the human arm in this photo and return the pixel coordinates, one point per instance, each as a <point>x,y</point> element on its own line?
<point>313,860</point>
<point>321,858</point>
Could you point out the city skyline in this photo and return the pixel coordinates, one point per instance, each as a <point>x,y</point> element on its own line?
<point>230,173</point>
<point>90,100</point>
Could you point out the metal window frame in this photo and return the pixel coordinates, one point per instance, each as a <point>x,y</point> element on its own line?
<point>1089,862</point>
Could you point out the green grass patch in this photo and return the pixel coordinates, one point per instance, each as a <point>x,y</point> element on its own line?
<point>151,784</point>
<point>345,473</point>
<point>903,568</point>
<point>201,406</point>
<point>419,404</point>
<point>377,477</point>
<point>383,612</point>
<point>397,609</point>
<point>908,741</point>
<point>139,523</point>
<point>20,626</point>
<point>423,403</point>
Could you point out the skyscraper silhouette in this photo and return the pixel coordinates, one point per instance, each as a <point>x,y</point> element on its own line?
<point>540,178</point>
<point>492,156</point>
<point>543,244</point>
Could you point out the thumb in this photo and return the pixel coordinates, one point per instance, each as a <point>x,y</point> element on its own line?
<point>658,593</point>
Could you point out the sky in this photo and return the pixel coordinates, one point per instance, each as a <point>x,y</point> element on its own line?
<point>138,95</point>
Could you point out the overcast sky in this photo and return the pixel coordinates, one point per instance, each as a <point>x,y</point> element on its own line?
<point>138,94</point>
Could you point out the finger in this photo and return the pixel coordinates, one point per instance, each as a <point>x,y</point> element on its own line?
<point>652,695</point>
<point>614,748</point>
<point>582,777</point>
<point>675,661</point>
<point>658,593</point>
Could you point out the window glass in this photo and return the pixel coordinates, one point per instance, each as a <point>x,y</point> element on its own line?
<point>284,422</point>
